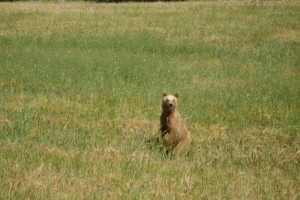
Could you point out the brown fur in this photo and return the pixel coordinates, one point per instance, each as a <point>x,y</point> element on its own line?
<point>174,133</point>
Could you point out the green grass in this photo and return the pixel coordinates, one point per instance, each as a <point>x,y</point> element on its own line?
<point>80,92</point>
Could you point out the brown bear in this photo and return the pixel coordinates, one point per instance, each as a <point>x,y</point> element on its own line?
<point>174,133</point>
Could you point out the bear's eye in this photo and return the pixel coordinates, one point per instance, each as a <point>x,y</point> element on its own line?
<point>167,100</point>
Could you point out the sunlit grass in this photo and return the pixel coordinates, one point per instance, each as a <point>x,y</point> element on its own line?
<point>80,92</point>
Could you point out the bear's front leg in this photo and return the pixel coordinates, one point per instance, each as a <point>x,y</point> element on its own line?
<point>169,142</point>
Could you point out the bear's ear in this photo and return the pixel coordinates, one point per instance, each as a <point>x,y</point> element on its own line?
<point>164,94</point>
<point>176,94</point>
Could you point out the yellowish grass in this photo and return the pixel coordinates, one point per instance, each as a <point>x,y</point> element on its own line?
<point>165,179</point>
<point>288,35</point>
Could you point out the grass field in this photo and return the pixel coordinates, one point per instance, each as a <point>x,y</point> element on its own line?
<point>80,93</point>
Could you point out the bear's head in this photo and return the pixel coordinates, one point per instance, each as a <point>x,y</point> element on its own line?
<point>169,102</point>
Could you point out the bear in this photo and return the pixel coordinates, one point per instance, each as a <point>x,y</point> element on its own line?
<point>174,134</point>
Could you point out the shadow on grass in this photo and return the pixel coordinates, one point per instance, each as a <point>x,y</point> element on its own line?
<point>154,145</point>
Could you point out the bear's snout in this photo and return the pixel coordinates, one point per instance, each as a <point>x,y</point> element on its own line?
<point>171,106</point>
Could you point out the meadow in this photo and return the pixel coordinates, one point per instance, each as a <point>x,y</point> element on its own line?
<point>81,86</point>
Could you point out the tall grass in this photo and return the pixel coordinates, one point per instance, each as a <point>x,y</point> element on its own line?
<point>81,85</point>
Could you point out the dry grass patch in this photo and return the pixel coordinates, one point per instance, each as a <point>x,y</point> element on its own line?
<point>222,164</point>
<point>288,35</point>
